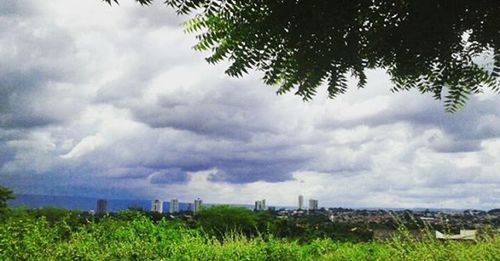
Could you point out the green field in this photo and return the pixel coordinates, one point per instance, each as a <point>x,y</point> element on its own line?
<point>60,235</point>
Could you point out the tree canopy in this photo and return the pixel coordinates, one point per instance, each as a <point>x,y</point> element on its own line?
<point>222,219</point>
<point>449,48</point>
<point>5,195</point>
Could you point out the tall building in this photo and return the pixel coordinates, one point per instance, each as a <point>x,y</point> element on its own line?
<point>313,204</point>
<point>197,205</point>
<point>260,205</point>
<point>157,206</point>
<point>102,207</point>
<point>174,206</point>
<point>301,202</point>
<point>190,207</point>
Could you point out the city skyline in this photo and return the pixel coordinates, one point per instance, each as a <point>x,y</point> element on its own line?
<point>113,205</point>
<point>173,205</point>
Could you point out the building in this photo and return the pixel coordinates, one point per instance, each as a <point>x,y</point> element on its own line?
<point>190,207</point>
<point>301,202</point>
<point>260,205</point>
<point>102,207</point>
<point>157,206</point>
<point>174,206</point>
<point>464,235</point>
<point>197,205</point>
<point>313,204</point>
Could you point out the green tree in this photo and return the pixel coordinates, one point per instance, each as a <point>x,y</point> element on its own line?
<point>433,46</point>
<point>222,219</point>
<point>5,195</point>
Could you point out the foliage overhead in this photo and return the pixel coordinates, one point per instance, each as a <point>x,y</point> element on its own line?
<point>449,48</point>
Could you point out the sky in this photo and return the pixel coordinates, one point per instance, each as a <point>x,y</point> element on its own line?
<point>113,102</point>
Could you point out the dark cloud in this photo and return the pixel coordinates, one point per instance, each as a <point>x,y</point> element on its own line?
<point>6,154</point>
<point>15,7</point>
<point>112,102</point>
<point>451,146</point>
<point>15,110</point>
<point>168,176</point>
<point>225,112</point>
<point>36,55</point>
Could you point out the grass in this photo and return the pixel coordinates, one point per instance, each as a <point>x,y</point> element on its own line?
<point>142,239</point>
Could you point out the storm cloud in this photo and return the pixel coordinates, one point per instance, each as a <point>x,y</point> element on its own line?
<point>113,102</point>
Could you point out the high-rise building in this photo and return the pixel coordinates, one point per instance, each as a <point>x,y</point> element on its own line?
<point>102,207</point>
<point>157,206</point>
<point>301,202</point>
<point>174,206</point>
<point>313,204</point>
<point>197,205</point>
<point>190,207</point>
<point>260,205</point>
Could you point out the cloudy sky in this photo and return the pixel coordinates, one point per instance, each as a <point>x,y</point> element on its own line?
<point>113,102</point>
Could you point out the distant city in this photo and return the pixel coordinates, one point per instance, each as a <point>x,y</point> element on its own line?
<point>173,206</point>
<point>382,218</point>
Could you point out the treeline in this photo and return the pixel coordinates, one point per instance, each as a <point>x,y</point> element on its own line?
<point>217,233</point>
<point>215,221</point>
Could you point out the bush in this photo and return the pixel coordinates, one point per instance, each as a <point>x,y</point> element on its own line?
<point>221,220</point>
<point>137,237</point>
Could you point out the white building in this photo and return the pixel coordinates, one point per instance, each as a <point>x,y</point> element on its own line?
<point>313,204</point>
<point>157,206</point>
<point>197,205</point>
<point>174,206</point>
<point>260,205</point>
<point>301,202</point>
<point>465,234</point>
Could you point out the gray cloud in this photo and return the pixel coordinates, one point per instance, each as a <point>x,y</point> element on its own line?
<point>13,7</point>
<point>37,58</point>
<point>113,102</point>
<point>167,176</point>
<point>227,112</point>
<point>157,15</point>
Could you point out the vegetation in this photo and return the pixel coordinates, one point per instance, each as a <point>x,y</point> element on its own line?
<point>221,220</point>
<point>5,195</point>
<point>450,49</point>
<point>218,233</point>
